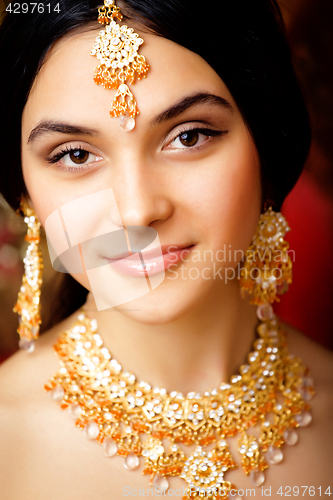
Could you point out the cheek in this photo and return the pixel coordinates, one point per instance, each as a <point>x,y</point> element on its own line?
<point>42,193</point>
<point>46,191</point>
<point>46,199</point>
<point>229,206</point>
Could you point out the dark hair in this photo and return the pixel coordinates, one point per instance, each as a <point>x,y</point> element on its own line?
<point>242,40</point>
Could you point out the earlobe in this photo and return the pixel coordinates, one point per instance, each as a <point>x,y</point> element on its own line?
<point>25,201</point>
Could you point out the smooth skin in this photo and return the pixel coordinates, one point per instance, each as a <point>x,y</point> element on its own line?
<point>194,187</point>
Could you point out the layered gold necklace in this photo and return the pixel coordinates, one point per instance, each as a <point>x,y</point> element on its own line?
<point>133,419</point>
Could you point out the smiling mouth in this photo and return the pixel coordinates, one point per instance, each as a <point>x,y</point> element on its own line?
<point>152,261</point>
<point>149,255</point>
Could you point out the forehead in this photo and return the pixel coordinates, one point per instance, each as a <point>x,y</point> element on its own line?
<point>65,88</point>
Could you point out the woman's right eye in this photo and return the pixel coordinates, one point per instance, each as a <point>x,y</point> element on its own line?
<point>73,158</point>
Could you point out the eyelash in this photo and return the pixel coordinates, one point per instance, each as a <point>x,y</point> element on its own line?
<point>204,131</point>
<point>65,151</point>
<point>69,149</point>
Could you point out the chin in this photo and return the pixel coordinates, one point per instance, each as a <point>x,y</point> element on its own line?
<point>165,304</point>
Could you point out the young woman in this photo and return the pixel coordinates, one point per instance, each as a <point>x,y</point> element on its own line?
<point>222,135</point>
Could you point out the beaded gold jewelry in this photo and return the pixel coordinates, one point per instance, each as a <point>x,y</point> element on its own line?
<point>28,300</point>
<point>116,48</point>
<point>267,269</point>
<point>132,419</point>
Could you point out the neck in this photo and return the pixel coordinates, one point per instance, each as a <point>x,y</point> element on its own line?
<point>193,353</point>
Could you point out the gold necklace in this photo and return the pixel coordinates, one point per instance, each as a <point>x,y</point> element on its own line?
<point>131,418</point>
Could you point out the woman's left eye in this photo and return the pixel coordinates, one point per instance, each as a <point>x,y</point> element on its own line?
<point>192,138</point>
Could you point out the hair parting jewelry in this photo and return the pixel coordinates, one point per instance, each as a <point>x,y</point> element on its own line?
<point>28,300</point>
<point>116,48</point>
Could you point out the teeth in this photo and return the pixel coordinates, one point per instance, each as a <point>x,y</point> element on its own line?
<point>146,267</point>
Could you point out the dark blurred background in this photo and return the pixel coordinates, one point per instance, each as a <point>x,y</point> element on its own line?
<point>308,305</point>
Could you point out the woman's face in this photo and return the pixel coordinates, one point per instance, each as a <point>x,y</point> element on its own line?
<point>188,170</point>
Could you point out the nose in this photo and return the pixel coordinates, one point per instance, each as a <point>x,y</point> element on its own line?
<point>141,194</point>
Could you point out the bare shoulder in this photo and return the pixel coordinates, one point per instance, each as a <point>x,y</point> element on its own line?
<point>22,372</point>
<point>318,438</point>
<point>314,356</point>
<point>24,405</point>
<point>320,362</point>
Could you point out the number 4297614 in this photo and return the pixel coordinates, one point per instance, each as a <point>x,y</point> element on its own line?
<point>295,491</point>
<point>38,8</point>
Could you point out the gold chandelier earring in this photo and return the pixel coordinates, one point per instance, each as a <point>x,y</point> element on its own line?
<point>28,300</point>
<point>267,267</point>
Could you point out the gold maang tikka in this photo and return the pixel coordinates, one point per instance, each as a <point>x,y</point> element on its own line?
<point>116,48</point>
<point>28,300</point>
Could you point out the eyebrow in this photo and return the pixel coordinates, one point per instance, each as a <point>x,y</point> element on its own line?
<point>187,102</point>
<point>47,126</point>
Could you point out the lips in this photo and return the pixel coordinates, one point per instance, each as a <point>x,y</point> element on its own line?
<point>151,254</point>
<point>150,262</point>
